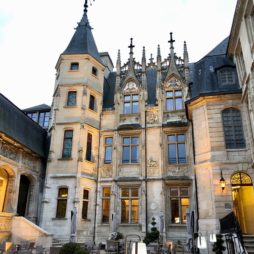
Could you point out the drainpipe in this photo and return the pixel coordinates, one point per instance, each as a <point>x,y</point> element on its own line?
<point>97,179</point>
<point>146,192</point>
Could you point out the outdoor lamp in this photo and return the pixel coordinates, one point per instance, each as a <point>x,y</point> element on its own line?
<point>222,181</point>
<point>201,244</point>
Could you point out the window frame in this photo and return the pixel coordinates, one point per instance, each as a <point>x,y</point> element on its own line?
<point>176,143</point>
<point>85,200</point>
<point>180,206</point>
<point>131,147</point>
<point>65,140</point>
<point>89,147</point>
<point>237,141</point>
<point>74,66</point>
<point>69,102</point>
<point>228,74</point>
<point>94,71</point>
<point>59,200</point>
<point>174,99</point>
<point>129,210</point>
<point>132,108</point>
<point>106,147</point>
<point>45,119</point>
<point>92,102</point>
<point>105,199</point>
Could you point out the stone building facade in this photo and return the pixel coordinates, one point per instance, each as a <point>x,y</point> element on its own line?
<point>145,139</point>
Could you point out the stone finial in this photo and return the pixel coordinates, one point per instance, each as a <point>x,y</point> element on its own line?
<point>171,41</point>
<point>131,46</point>
<point>143,59</point>
<point>118,63</point>
<point>151,59</point>
<point>185,54</point>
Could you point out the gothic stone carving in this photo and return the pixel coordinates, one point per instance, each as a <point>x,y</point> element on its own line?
<point>152,163</point>
<point>178,171</point>
<point>9,152</point>
<point>152,117</point>
<point>106,172</point>
<point>130,87</point>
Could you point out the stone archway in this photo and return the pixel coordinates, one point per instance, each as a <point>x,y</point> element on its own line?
<point>24,188</point>
<point>4,177</point>
<point>243,200</point>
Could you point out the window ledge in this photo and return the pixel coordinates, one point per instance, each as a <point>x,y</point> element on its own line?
<point>130,164</point>
<point>59,219</point>
<point>91,110</point>
<point>65,159</point>
<point>130,225</point>
<point>86,220</point>
<point>177,225</point>
<point>172,111</point>
<point>90,162</point>
<point>74,106</point>
<point>236,149</point>
<point>73,70</point>
<point>178,165</point>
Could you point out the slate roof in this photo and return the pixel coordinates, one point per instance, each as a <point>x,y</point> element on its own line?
<point>41,107</point>
<point>83,41</point>
<point>17,125</point>
<point>204,73</point>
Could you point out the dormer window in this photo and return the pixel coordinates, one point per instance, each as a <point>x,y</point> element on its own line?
<point>131,104</point>
<point>174,100</point>
<point>226,77</point>
<point>95,71</point>
<point>74,66</point>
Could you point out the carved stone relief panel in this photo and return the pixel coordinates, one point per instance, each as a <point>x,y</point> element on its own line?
<point>130,87</point>
<point>152,117</point>
<point>178,171</point>
<point>106,172</point>
<point>9,151</point>
<point>28,161</point>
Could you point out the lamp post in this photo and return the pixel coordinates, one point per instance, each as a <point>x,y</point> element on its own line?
<point>222,181</point>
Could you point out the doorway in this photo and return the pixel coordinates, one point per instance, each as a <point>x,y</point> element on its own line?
<point>243,201</point>
<point>23,195</point>
<point>3,187</point>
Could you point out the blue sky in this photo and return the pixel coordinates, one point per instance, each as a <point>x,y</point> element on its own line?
<point>34,33</point>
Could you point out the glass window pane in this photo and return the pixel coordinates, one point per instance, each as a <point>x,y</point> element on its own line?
<point>68,134</point>
<point>125,211</point>
<point>184,205</point>
<point>169,93</point>
<point>92,102</point>
<point>181,138</point>
<point>61,208</point>
<point>108,141</point>
<point>108,154</point>
<point>127,98</point>
<point>106,192</point>
<point>84,210</point>
<point>184,191</point>
<point>181,153</point>
<point>178,93</point>
<point>134,211</point>
<point>105,210</point>
<point>134,192</point>
<point>125,192</point>
<point>126,141</point>
<point>172,153</point>
<point>135,107</point>
<point>134,154</point>
<point>134,141</point>
<point>135,97</point>
<point>179,103</point>
<point>63,192</point>
<point>174,192</point>
<point>85,194</point>
<point>71,100</point>
<point>169,104</point>
<point>175,214</point>
<point>172,138</point>
<point>127,108</point>
<point>126,154</point>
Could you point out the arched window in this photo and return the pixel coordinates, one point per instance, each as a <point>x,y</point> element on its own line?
<point>233,129</point>
<point>62,202</point>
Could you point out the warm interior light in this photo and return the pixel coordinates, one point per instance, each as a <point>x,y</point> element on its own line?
<point>222,181</point>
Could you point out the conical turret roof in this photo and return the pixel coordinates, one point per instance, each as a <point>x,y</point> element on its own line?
<point>83,41</point>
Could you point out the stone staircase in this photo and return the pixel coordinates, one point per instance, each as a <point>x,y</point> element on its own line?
<point>249,243</point>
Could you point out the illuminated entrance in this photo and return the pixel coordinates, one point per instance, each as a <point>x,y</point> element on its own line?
<point>243,200</point>
<point>3,187</point>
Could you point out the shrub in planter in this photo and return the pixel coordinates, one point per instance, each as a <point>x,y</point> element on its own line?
<point>218,247</point>
<point>153,235</point>
<point>72,248</point>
